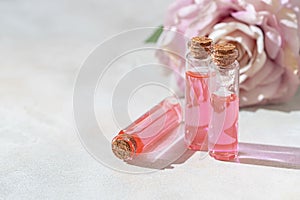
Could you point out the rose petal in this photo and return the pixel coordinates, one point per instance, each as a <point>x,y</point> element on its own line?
<point>259,38</point>
<point>273,39</point>
<point>246,42</point>
<point>259,95</point>
<point>295,6</point>
<point>243,78</point>
<point>222,29</point>
<point>243,56</point>
<point>254,65</point>
<point>189,11</point>
<point>289,86</point>
<point>248,17</point>
<point>172,12</point>
<point>287,59</point>
<point>256,80</point>
<point>276,73</point>
<point>272,43</point>
<point>206,16</point>
<point>289,26</point>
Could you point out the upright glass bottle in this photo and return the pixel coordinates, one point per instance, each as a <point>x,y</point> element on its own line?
<point>224,102</point>
<point>144,132</point>
<point>197,113</point>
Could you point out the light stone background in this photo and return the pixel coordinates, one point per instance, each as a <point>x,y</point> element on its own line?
<point>42,45</point>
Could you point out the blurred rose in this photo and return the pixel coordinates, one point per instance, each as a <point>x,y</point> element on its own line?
<point>265,32</point>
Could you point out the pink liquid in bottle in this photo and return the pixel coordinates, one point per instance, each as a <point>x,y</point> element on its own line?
<point>223,135</point>
<point>144,132</point>
<point>197,109</point>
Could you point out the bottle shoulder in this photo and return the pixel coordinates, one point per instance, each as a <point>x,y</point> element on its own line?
<point>190,57</point>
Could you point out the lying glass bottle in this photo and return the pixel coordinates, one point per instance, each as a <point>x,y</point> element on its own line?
<point>143,133</point>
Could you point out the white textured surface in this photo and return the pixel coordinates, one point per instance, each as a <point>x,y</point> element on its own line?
<point>42,44</point>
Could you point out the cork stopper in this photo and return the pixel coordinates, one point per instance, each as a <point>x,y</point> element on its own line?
<point>124,146</point>
<point>200,47</point>
<point>224,54</point>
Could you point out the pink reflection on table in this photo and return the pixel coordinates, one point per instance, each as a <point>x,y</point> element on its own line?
<point>269,155</point>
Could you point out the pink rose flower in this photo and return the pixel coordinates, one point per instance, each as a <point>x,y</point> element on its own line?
<point>266,33</point>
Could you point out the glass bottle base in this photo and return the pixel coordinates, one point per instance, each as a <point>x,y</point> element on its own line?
<point>224,156</point>
<point>196,138</point>
<point>195,147</point>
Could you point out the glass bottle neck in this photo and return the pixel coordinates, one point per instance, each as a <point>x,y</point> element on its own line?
<point>231,66</point>
<point>192,62</point>
<point>204,57</point>
<point>225,79</point>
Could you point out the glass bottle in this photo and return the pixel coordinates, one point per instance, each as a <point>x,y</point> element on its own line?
<point>197,113</point>
<point>224,102</point>
<point>144,132</point>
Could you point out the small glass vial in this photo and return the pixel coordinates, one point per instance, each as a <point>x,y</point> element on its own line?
<point>144,132</point>
<point>197,113</point>
<point>224,102</point>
